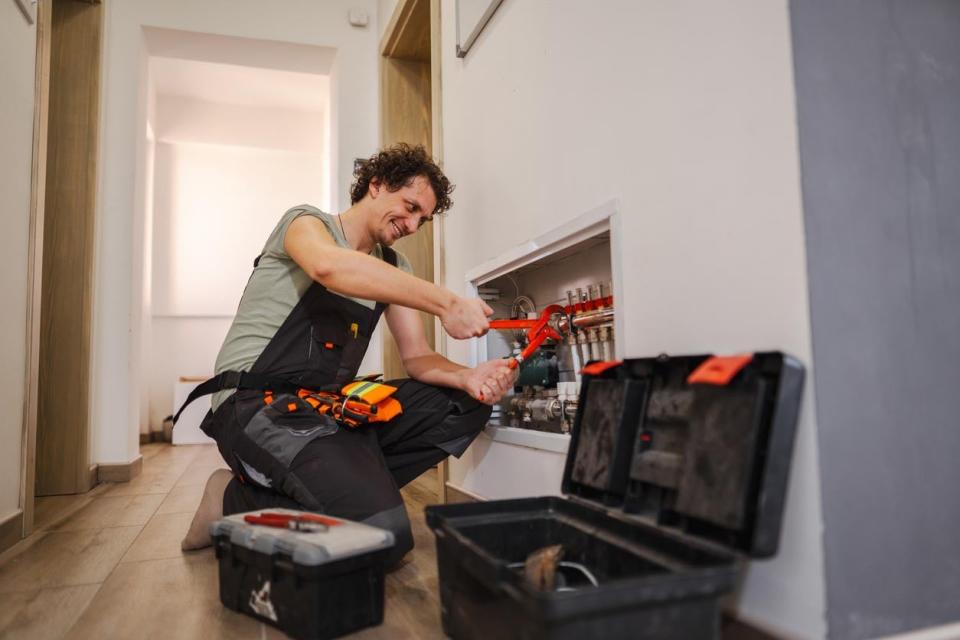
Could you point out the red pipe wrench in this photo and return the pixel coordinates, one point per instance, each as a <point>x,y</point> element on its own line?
<point>538,330</point>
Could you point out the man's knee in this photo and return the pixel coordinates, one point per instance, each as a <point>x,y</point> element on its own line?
<point>465,424</point>
<point>472,412</point>
<point>394,520</point>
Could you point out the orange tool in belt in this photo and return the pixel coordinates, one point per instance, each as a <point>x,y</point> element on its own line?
<point>359,402</point>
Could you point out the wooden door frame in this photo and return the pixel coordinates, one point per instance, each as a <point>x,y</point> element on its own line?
<point>398,23</point>
<point>63,434</point>
<point>38,181</point>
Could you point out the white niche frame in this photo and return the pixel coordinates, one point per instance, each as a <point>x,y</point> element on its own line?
<point>604,218</point>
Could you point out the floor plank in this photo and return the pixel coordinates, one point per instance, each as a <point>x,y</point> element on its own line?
<point>155,481</point>
<point>170,598</point>
<point>63,558</point>
<point>182,499</point>
<point>44,614</point>
<point>160,538</point>
<point>198,474</point>
<point>112,511</point>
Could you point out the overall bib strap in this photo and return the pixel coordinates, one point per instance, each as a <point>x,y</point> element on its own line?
<point>237,380</point>
<point>315,304</point>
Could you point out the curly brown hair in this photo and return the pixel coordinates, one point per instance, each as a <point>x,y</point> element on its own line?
<point>396,167</point>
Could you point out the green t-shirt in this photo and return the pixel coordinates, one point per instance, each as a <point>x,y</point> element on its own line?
<point>274,289</point>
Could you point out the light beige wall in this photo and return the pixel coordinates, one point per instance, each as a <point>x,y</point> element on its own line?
<point>117,375</point>
<point>384,11</point>
<point>17,65</point>
<point>683,111</point>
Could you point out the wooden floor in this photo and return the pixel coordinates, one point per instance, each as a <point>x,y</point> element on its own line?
<point>114,569</point>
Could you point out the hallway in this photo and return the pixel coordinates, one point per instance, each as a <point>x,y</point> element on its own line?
<point>113,568</point>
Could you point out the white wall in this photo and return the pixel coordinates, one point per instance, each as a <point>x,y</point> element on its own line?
<point>385,10</point>
<point>17,65</point>
<point>684,111</point>
<point>185,119</point>
<point>180,346</point>
<point>214,206</point>
<point>115,409</point>
<point>146,277</point>
<point>223,175</point>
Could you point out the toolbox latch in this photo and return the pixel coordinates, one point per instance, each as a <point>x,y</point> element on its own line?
<point>719,370</point>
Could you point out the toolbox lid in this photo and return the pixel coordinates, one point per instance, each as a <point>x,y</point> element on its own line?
<point>696,443</point>
<point>336,540</point>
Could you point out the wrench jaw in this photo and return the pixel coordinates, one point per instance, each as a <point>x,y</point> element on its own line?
<point>546,327</point>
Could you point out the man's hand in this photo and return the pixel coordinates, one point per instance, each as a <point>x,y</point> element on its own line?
<point>466,318</point>
<point>488,380</point>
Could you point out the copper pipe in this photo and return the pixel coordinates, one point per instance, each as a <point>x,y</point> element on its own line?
<point>587,319</point>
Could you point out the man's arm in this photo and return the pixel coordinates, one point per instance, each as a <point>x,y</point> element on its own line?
<point>352,273</point>
<point>491,380</point>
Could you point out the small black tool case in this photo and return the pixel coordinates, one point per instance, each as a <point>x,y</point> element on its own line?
<point>677,470</point>
<point>309,584</point>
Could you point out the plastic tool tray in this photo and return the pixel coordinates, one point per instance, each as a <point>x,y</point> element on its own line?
<point>677,469</point>
<point>322,583</point>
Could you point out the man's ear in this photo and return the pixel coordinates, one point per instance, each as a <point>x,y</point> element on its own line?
<point>374,188</point>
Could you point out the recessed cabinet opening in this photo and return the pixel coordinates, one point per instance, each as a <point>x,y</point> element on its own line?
<point>567,286</point>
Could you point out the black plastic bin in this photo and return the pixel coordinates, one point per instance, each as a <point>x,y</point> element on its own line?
<point>676,471</point>
<point>321,584</point>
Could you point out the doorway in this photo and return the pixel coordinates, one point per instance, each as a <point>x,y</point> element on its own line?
<point>226,119</point>
<point>236,131</point>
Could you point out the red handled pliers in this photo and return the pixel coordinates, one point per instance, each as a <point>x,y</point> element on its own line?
<point>297,522</point>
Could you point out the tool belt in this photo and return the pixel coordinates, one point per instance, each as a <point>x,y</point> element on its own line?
<point>359,402</point>
<point>261,430</point>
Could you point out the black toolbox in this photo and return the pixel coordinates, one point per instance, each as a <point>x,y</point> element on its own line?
<point>321,582</point>
<point>677,469</point>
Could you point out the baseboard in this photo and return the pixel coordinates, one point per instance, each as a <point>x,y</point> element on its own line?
<point>152,436</point>
<point>124,472</point>
<point>11,530</point>
<point>456,495</point>
<point>93,472</point>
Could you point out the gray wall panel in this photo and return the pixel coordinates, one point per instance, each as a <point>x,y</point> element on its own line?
<point>878,91</point>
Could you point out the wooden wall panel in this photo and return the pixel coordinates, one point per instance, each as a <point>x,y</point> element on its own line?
<point>406,116</point>
<point>68,240</point>
<point>408,34</point>
<point>38,181</point>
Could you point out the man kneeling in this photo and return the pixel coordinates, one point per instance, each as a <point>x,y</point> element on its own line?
<point>316,294</point>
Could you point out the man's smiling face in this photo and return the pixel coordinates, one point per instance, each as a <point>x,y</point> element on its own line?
<point>403,211</point>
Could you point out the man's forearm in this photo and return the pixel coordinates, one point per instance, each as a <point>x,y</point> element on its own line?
<point>434,369</point>
<point>361,276</point>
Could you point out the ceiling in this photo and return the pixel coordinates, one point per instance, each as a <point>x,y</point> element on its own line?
<point>239,85</point>
<point>244,52</point>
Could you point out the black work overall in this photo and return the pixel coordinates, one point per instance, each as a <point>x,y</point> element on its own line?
<point>305,460</point>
